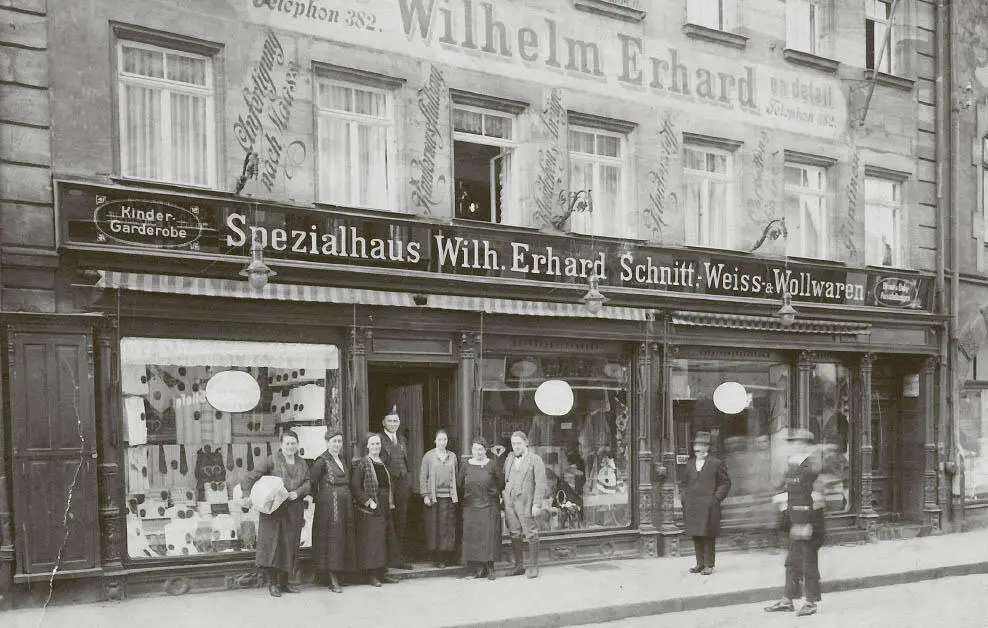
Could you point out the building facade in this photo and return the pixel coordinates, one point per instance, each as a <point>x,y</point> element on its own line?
<point>576,218</point>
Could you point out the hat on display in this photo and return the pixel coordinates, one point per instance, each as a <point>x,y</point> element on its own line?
<point>702,438</point>
<point>800,435</point>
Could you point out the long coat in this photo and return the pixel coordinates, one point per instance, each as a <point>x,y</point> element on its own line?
<point>280,533</point>
<point>801,507</point>
<point>333,541</point>
<point>377,545</point>
<point>702,492</point>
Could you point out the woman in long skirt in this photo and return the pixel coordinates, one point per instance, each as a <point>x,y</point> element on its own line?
<point>333,544</point>
<point>481,482</point>
<point>437,481</point>
<point>280,533</point>
<point>377,545</point>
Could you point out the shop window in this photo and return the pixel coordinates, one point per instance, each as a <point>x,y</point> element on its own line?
<point>752,442</point>
<point>984,184</point>
<point>587,450</point>
<point>709,193</point>
<point>199,416</point>
<point>830,422</point>
<point>356,144</point>
<point>597,161</point>
<point>484,165</point>
<point>807,210</point>
<point>808,26</point>
<point>884,222</point>
<point>878,21</point>
<point>973,443</point>
<point>721,15</point>
<point>166,114</point>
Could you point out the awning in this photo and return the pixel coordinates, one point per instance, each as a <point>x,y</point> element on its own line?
<point>747,322</point>
<point>240,289</point>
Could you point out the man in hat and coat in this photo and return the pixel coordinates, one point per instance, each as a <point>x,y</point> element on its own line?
<point>705,485</point>
<point>802,509</point>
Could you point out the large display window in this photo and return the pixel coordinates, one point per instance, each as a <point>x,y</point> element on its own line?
<point>972,444</point>
<point>199,416</point>
<point>585,440</point>
<point>830,421</point>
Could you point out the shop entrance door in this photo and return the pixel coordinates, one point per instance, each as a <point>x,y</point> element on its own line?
<point>898,435</point>
<point>423,397</point>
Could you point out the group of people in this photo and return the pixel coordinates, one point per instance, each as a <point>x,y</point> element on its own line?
<point>705,484</point>
<point>361,508</point>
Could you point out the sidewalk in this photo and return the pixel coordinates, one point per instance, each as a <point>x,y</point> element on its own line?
<point>561,596</point>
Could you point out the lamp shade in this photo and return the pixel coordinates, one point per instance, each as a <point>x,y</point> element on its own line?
<point>730,398</point>
<point>554,397</point>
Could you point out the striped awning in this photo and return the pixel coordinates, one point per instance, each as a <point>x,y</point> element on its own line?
<point>240,289</point>
<point>746,322</point>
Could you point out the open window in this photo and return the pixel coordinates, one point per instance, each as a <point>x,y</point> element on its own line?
<point>484,165</point>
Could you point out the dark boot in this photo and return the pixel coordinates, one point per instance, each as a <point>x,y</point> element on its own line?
<point>451,559</point>
<point>518,550</point>
<point>372,579</point>
<point>533,558</point>
<point>334,583</point>
<point>382,576</point>
<point>490,571</point>
<point>271,577</point>
<point>437,559</point>
<point>481,571</point>
<point>286,586</point>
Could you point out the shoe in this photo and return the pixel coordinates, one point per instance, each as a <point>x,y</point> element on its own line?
<point>334,583</point>
<point>386,579</point>
<point>518,550</point>
<point>374,582</point>
<point>707,571</point>
<point>481,572</point>
<point>285,585</point>
<point>807,609</point>
<point>490,572</point>
<point>696,569</point>
<point>780,606</point>
<point>533,557</point>
<point>274,590</point>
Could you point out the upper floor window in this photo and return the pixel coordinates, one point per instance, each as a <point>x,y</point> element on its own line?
<point>166,114</point>
<point>356,144</point>
<point>709,182</point>
<point>878,22</point>
<point>807,214</point>
<point>484,168</point>
<point>720,15</point>
<point>597,161</point>
<point>808,24</point>
<point>884,222</point>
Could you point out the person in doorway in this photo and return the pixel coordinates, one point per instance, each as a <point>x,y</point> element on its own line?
<point>279,534</point>
<point>333,544</point>
<point>394,454</point>
<point>524,501</point>
<point>437,481</point>
<point>370,484</point>
<point>480,482</point>
<point>705,485</point>
<point>802,505</point>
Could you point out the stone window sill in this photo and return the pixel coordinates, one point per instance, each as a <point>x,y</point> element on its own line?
<point>629,11</point>
<point>810,60</point>
<point>695,31</point>
<point>889,80</point>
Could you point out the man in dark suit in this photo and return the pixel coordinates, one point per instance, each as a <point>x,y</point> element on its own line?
<point>394,455</point>
<point>705,485</point>
<point>802,509</point>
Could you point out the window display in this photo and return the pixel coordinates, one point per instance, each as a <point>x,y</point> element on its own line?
<point>194,430</point>
<point>586,448</point>
<point>830,422</point>
<point>973,444</point>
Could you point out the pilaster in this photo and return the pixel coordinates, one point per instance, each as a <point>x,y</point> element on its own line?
<point>932,511</point>
<point>647,383</point>
<point>665,473</point>
<point>867,517</point>
<point>468,389</point>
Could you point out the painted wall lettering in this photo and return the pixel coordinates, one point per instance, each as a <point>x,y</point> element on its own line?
<point>549,180</point>
<point>761,203</point>
<point>424,182</point>
<point>849,228</point>
<point>659,197</point>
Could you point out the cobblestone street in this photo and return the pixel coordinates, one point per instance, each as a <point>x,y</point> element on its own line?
<point>960,602</point>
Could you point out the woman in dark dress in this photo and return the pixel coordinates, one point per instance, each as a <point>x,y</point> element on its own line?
<point>333,544</point>
<point>437,481</point>
<point>370,484</point>
<point>280,533</point>
<point>481,482</point>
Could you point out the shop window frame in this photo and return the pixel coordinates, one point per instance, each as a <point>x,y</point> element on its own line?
<point>977,384</point>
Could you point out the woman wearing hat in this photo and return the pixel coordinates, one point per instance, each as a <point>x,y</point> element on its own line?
<point>705,485</point>
<point>332,524</point>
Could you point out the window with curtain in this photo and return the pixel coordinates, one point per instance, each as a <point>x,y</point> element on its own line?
<point>484,171</point>
<point>878,21</point>
<point>708,180</point>
<point>807,215</point>
<point>597,162</point>
<point>355,144</point>
<point>717,14</point>
<point>166,115</point>
<point>883,222</point>
<point>808,23</point>
<point>198,417</point>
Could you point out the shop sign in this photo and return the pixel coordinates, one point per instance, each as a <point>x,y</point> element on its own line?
<point>228,226</point>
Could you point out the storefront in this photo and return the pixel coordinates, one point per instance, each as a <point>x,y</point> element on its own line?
<point>193,374</point>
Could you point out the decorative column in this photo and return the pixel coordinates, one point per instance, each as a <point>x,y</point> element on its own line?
<point>111,514</point>
<point>803,390</point>
<point>6,528</point>
<point>468,392</point>
<point>666,472</point>
<point>358,394</point>
<point>932,512</point>
<point>646,387</point>
<point>867,517</point>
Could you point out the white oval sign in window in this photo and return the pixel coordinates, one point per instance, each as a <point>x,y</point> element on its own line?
<point>730,398</point>
<point>554,397</point>
<point>233,391</point>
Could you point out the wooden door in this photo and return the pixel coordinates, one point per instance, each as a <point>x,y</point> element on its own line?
<point>408,397</point>
<point>912,458</point>
<point>54,448</point>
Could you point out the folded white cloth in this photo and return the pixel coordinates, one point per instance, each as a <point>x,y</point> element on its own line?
<point>135,424</point>
<point>268,494</point>
<point>134,379</point>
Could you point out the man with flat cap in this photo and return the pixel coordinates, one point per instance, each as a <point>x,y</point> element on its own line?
<point>705,485</point>
<point>802,509</point>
